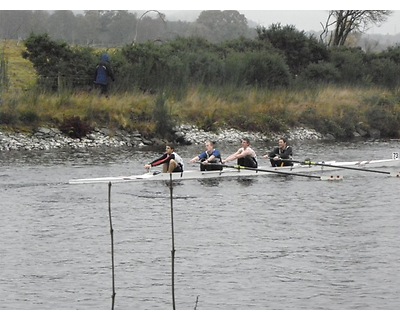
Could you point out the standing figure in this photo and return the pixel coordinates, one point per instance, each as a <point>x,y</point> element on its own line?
<point>103,74</point>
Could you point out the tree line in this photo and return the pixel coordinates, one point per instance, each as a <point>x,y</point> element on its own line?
<point>278,57</point>
<point>115,28</point>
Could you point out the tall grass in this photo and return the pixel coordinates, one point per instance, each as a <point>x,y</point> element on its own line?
<point>328,109</point>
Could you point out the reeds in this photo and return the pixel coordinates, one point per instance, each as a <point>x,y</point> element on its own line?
<point>326,108</point>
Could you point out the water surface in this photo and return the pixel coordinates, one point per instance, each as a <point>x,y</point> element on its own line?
<point>268,242</point>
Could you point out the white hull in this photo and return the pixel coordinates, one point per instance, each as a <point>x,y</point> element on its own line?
<point>231,172</point>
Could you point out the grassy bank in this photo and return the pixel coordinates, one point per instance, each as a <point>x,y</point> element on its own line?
<point>328,109</point>
<point>21,74</point>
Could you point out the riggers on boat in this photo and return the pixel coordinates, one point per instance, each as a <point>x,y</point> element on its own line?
<point>299,168</point>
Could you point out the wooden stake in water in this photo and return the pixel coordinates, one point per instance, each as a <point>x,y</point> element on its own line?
<point>112,247</point>
<point>173,242</point>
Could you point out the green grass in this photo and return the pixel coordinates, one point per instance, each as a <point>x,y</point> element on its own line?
<point>21,73</point>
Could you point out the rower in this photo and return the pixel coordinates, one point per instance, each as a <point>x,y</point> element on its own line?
<point>280,156</point>
<point>171,161</point>
<point>210,159</point>
<point>245,155</point>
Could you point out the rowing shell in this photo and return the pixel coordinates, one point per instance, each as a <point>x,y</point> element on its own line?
<point>233,172</point>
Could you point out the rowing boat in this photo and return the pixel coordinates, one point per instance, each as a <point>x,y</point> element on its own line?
<point>235,171</point>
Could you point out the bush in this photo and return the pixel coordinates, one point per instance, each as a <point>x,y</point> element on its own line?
<point>58,64</point>
<point>8,117</point>
<point>351,64</point>
<point>265,70</point>
<point>384,118</point>
<point>320,73</point>
<point>29,117</point>
<point>163,118</point>
<point>74,127</point>
<point>299,49</point>
<point>389,78</point>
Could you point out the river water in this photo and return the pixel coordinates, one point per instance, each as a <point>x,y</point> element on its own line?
<point>269,242</point>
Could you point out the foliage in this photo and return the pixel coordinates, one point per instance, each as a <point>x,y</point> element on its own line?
<point>230,81</point>
<point>384,68</point>
<point>324,72</point>
<point>389,78</point>
<point>58,64</point>
<point>384,114</point>
<point>29,117</point>
<point>74,127</point>
<point>280,55</point>
<point>8,116</point>
<point>298,48</point>
<point>392,53</point>
<point>351,64</point>
<point>3,72</point>
<point>19,72</point>
<point>328,109</point>
<point>163,118</point>
<point>222,25</point>
<point>265,70</point>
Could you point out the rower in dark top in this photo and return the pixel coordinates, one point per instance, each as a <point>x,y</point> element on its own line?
<point>171,161</point>
<point>280,156</point>
<point>210,155</point>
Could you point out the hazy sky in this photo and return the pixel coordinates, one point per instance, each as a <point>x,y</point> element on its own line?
<point>304,15</point>
<point>307,20</point>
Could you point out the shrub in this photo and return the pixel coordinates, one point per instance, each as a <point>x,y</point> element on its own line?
<point>298,48</point>
<point>320,72</point>
<point>74,127</point>
<point>58,64</point>
<point>8,117</point>
<point>29,117</point>
<point>265,70</point>
<point>389,78</point>
<point>350,62</point>
<point>385,118</point>
<point>163,118</point>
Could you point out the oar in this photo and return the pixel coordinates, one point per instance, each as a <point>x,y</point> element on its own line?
<point>311,163</point>
<point>283,172</point>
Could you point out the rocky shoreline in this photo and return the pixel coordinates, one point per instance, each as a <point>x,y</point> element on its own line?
<point>52,138</point>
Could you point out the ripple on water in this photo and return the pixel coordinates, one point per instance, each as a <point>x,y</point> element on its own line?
<point>265,243</point>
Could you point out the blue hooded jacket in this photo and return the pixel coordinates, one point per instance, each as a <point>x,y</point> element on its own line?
<point>103,71</point>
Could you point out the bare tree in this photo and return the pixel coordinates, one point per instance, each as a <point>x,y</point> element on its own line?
<point>346,22</point>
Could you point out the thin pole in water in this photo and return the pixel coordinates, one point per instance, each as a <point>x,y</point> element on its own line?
<point>173,242</point>
<point>112,247</point>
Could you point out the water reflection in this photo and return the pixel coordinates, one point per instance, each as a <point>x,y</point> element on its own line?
<point>209,182</point>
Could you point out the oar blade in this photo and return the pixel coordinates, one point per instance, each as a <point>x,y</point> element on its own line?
<point>395,174</point>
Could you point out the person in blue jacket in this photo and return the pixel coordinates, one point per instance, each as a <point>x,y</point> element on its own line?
<point>103,74</point>
<point>209,156</point>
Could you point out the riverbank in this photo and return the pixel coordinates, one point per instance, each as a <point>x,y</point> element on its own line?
<point>52,138</point>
